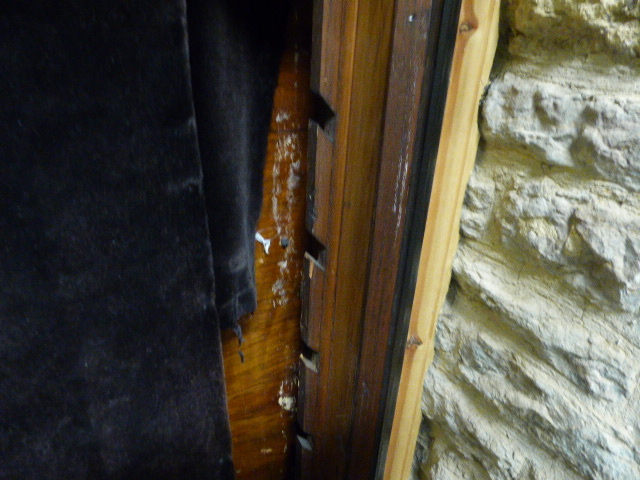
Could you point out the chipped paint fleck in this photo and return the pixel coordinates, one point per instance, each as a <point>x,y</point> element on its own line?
<point>285,198</point>
<point>282,117</point>
<point>287,403</point>
<point>266,242</point>
<point>285,400</point>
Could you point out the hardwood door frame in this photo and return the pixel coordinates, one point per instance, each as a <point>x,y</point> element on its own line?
<point>380,72</point>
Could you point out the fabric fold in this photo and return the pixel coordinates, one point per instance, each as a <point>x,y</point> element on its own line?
<point>235,48</point>
<point>109,338</point>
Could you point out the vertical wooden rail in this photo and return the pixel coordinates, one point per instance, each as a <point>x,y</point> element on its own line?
<point>473,57</point>
<point>358,142</point>
<point>415,34</point>
<point>352,43</point>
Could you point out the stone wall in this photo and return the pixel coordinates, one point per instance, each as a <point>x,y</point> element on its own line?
<point>537,358</point>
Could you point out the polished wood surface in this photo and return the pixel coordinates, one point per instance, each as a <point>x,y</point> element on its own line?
<point>352,40</point>
<point>262,390</point>
<point>415,35</point>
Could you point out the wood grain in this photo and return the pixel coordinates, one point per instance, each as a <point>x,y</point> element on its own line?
<point>262,391</point>
<point>473,57</point>
<point>351,73</point>
<point>412,60</point>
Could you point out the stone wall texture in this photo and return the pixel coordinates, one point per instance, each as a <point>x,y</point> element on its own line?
<point>537,364</point>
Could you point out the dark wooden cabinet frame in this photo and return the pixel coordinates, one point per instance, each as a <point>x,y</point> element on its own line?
<point>380,73</point>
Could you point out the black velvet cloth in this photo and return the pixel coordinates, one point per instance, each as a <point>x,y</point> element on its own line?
<point>238,42</point>
<point>110,358</point>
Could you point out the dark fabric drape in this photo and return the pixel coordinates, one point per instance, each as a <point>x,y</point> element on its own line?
<point>110,358</point>
<point>237,42</point>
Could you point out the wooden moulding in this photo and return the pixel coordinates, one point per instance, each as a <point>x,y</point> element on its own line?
<point>358,140</point>
<point>410,72</point>
<point>349,74</point>
<point>472,61</point>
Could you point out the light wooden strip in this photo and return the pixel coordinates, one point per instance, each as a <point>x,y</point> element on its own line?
<point>472,61</point>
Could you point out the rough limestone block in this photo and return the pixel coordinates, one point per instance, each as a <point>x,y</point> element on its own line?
<point>507,414</point>
<point>576,25</point>
<point>478,204</point>
<point>557,125</point>
<point>535,374</point>
<point>588,234</point>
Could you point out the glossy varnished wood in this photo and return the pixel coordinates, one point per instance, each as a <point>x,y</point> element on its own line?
<point>351,63</point>
<point>412,60</point>
<point>262,390</point>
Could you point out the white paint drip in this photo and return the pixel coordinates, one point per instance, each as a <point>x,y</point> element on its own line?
<point>266,242</point>
<point>293,181</point>
<point>279,292</point>
<point>286,149</point>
